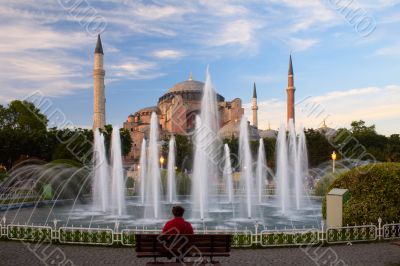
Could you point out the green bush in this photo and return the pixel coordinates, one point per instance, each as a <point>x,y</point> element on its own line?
<point>321,188</point>
<point>375,192</point>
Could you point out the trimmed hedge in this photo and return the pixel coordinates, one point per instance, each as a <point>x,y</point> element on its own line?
<point>375,192</point>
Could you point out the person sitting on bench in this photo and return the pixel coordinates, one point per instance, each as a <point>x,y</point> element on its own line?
<point>177,225</point>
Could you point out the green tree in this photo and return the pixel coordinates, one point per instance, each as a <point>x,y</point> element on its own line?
<point>184,152</point>
<point>319,149</point>
<point>126,141</point>
<point>393,148</point>
<point>22,115</point>
<point>269,146</point>
<point>360,127</point>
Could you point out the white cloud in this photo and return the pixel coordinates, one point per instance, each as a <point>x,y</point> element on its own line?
<point>133,68</point>
<point>168,54</point>
<point>298,44</point>
<point>388,51</point>
<point>375,105</point>
<point>305,14</point>
<point>240,31</point>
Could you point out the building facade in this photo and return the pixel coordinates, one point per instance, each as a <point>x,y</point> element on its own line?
<point>177,110</point>
<point>178,107</point>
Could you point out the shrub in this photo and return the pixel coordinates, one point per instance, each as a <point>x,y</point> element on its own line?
<point>321,188</point>
<point>375,192</point>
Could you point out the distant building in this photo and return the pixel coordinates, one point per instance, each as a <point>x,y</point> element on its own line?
<point>176,111</point>
<point>327,131</point>
<point>178,107</point>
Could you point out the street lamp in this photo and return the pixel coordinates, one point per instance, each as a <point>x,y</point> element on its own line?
<point>162,161</point>
<point>333,161</point>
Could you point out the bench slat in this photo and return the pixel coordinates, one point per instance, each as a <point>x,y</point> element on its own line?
<point>158,246</point>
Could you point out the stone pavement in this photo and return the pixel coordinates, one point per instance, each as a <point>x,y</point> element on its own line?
<point>17,253</point>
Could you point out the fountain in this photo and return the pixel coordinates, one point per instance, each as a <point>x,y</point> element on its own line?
<point>153,184</point>
<point>100,174</point>
<point>118,184</point>
<point>261,171</point>
<point>143,170</point>
<point>228,174</point>
<point>292,166</point>
<point>246,177</point>
<point>171,184</point>
<point>301,168</point>
<point>211,203</point>
<point>206,147</point>
<point>282,174</point>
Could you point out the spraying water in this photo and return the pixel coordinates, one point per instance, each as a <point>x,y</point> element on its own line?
<point>228,174</point>
<point>171,184</point>
<point>206,141</point>
<point>246,177</point>
<point>118,185</point>
<point>292,163</point>
<point>261,171</point>
<point>143,170</point>
<point>100,182</point>
<point>301,167</point>
<point>282,174</point>
<point>153,185</point>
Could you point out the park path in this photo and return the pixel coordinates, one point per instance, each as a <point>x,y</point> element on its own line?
<point>14,253</point>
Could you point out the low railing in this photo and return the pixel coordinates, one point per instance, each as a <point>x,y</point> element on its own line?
<point>240,238</point>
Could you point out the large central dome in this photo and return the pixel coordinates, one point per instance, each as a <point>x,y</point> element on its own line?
<point>189,89</point>
<point>187,85</point>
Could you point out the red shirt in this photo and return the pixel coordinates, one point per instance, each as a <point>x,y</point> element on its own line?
<point>177,226</point>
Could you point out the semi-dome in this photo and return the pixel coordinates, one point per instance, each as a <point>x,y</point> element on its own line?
<point>149,110</point>
<point>187,85</point>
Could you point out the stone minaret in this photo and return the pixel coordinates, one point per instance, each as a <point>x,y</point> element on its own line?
<point>254,106</point>
<point>290,92</point>
<point>99,98</point>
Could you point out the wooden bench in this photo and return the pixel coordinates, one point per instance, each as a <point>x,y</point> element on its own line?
<point>197,247</point>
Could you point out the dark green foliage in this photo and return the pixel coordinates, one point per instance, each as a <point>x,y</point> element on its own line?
<point>233,144</point>
<point>319,149</point>
<point>183,182</point>
<point>375,192</point>
<point>126,141</point>
<point>22,115</point>
<point>269,146</point>
<point>393,148</point>
<point>73,145</point>
<point>361,142</point>
<point>184,152</point>
<point>323,184</point>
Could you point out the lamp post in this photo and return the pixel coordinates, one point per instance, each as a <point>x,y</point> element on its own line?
<point>162,161</point>
<point>333,161</point>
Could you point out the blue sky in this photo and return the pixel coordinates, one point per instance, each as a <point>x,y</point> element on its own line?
<point>345,63</point>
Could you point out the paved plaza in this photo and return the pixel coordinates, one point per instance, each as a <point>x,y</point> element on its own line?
<point>17,253</point>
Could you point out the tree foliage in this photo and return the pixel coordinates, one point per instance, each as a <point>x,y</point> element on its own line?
<point>24,134</point>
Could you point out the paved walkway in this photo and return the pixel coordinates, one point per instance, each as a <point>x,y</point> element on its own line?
<point>385,254</point>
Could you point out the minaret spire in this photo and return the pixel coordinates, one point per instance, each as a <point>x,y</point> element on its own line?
<point>290,72</point>
<point>290,92</point>
<point>254,106</point>
<point>99,46</point>
<point>99,98</point>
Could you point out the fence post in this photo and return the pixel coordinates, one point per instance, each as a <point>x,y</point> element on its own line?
<point>380,233</point>
<point>256,239</point>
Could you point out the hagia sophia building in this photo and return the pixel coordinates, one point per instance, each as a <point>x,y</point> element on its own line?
<point>177,108</point>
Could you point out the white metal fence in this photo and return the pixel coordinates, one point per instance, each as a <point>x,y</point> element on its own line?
<point>240,238</point>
